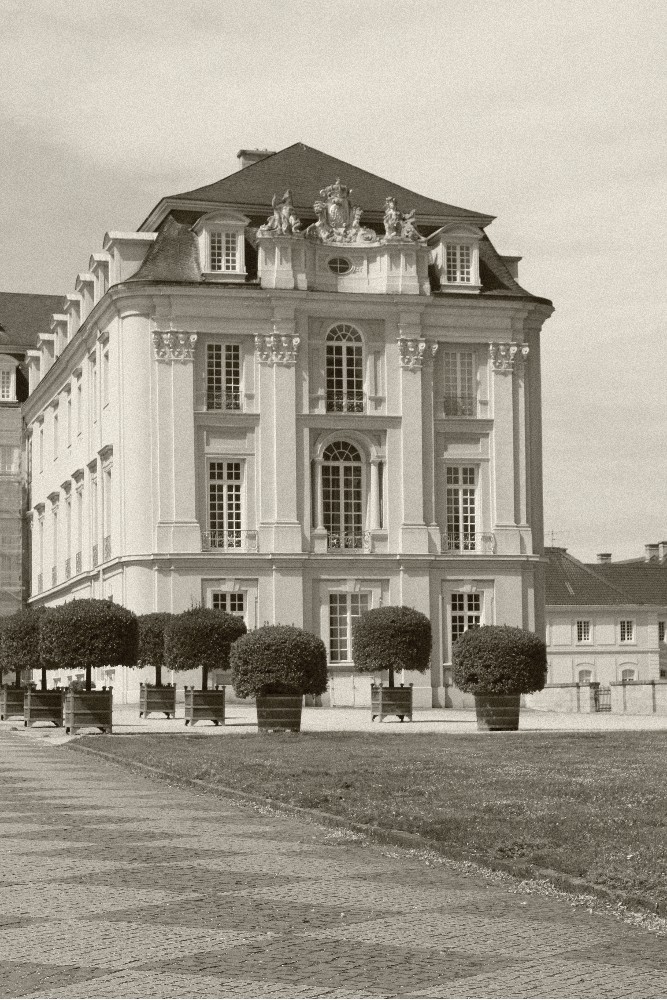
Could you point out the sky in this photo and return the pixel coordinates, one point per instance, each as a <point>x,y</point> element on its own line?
<point>549,116</point>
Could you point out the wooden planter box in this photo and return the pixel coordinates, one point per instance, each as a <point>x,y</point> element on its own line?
<point>43,706</point>
<point>157,699</point>
<point>279,712</point>
<point>205,705</point>
<point>88,710</point>
<point>496,712</point>
<point>12,702</point>
<point>391,701</point>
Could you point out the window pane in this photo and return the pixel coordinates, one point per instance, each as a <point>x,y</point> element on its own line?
<point>225,504</point>
<point>344,374</point>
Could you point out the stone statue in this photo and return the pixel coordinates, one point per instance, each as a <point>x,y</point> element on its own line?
<point>408,229</point>
<point>284,220</point>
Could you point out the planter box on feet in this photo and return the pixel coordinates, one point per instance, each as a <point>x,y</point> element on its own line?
<point>88,710</point>
<point>391,701</point>
<point>203,706</point>
<point>157,699</point>
<point>12,702</point>
<point>497,712</point>
<point>43,706</point>
<point>279,712</point>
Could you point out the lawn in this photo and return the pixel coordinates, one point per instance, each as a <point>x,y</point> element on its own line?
<point>587,805</point>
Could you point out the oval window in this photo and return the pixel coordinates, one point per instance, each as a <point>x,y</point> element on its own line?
<point>340,265</point>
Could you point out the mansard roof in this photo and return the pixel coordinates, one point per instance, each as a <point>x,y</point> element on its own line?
<point>24,315</point>
<point>305,171</point>
<point>570,582</point>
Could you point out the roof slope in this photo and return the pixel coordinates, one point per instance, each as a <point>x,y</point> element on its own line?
<point>570,582</point>
<point>24,315</point>
<point>305,171</point>
<point>644,583</point>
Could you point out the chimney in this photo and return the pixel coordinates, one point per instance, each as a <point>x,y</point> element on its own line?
<point>604,557</point>
<point>248,156</point>
<point>651,552</point>
<point>662,551</point>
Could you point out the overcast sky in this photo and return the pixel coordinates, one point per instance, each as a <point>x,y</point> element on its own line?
<point>548,115</point>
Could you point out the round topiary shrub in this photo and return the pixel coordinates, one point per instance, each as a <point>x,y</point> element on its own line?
<point>279,659</point>
<point>19,643</point>
<point>86,634</point>
<point>391,638</point>
<point>499,660</point>
<point>201,637</point>
<point>151,652</point>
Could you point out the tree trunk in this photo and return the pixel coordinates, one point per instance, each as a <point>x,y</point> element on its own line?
<point>204,678</point>
<point>391,677</point>
<point>89,686</point>
<point>158,676</point>
<point>17,679</point>
<point>43,678</point>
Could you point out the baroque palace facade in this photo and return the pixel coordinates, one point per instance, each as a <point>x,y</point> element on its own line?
<point>295,418</point>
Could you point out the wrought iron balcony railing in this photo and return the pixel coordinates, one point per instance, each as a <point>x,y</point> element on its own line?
<point>460,406</point>
<point>78,562</point>
<point>107,547</point>
<point>466,542</point>
<point>345,402</point>
<point>230,540</point>
<point>222,400</point>
<point>359,541</point>
<point>68,568</point>
<point>95,556</point>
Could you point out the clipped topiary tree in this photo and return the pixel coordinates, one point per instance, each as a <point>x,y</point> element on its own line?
<point>19,643</point>
<point>278,664</point>
<point>88,633</point>
<point>202,637</point>
<point>497,664</point>
<point>393,637</point>
<point>151,651</point>
<point>158,697</point>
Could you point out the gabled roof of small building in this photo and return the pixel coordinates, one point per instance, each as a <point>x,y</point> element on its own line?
<point>574,583</point>
<point>306,171</point>
<point>23,315</point>
<point>571,582</point>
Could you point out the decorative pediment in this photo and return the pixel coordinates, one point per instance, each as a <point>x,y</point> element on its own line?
<point>223,217</point>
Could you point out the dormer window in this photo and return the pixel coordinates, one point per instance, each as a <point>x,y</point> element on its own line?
<point>222,246</point>
<point>455,254</point>
<point>7,379</point>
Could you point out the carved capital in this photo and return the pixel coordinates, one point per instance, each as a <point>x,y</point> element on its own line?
<point>412,352</point>
<point>505,357</point>
<point>277,349</point>
<point>170,346</point>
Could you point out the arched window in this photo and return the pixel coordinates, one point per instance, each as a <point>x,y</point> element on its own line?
<point>345,375</point>
<point>628,674</point>
<point>342,492</point>
<point>585,676</point>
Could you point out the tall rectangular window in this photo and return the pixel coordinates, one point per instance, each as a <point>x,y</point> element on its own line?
<point>106,511</point>
<point>343,609</point>
<point>68,527</point>
<point>55,434</point>
<point>661,631</point>
<point>627,630</point>
<point>223,251</point>
<point>6,385</point>
<point>223,377</point>
<point>79,406</point>
<point>461,512</point>
<point>9,459</point>
<point>41,447</point>
<point>459,263</point>
<point>69,419</point>
<point>233,602</point>
<point>40,551</point>
<point>583,631</point>
<point>94,528</point>
<point>466,611</point>
<point>224,505</point>
<point>78,558</point>
<point>93,387</point>
<point>105,376</point>
<point>54,535</point>
<point>460,387</point>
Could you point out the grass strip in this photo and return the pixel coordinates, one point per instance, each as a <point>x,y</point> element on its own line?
<point>590,808</point>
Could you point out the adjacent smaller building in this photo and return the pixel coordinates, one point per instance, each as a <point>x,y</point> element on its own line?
<point>605,629</point>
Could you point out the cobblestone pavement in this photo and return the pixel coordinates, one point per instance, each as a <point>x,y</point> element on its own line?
<point>114,885</point>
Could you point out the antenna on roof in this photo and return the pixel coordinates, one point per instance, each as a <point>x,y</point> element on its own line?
<point>553,535</point>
